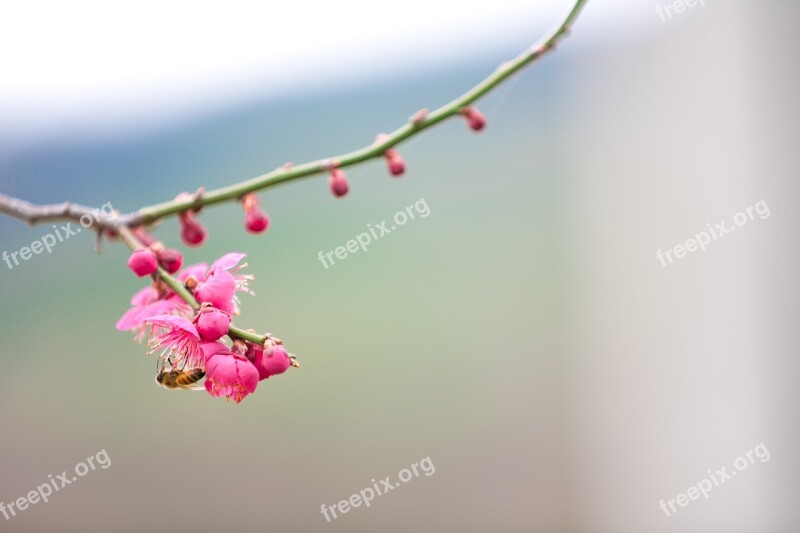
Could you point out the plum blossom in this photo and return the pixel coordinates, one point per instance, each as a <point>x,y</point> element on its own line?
<point>180,343</point>
<point>214,286</point>
<point>146,303</point>
<point>189,338</point>
<point>230,375</point>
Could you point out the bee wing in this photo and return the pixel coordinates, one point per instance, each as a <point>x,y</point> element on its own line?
<point>162,365</point>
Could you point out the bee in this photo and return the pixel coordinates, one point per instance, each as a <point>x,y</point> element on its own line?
<point>179,379</point>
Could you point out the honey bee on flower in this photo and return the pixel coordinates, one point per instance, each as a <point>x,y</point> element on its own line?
<point>187,339</point>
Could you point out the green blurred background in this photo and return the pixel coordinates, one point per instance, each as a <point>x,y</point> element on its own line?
<point>523,336</point>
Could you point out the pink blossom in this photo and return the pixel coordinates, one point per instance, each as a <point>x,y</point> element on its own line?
<point>180,342</point>
<point>213,284</point>
<point>217,289</point>
<point>197,271</point>
<point>230,375</point>
<point>229,261</point>
<point>145,304</point>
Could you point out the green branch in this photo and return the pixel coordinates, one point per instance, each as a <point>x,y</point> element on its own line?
<point>234,192</point>
<point>36,214</point>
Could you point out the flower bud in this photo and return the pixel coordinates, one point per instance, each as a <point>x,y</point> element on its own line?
<point>170,259</point>
<point>212,323</point>
<point>255,219</point>
<point>475,119</point>
<point>394,163</point>
<point>143,262</point>
<point>417,118</point>
<point>272,360</point>
<point>192,232</point>
<point>338,182</point>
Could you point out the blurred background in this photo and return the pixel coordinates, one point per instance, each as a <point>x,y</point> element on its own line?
<point>524,336</point>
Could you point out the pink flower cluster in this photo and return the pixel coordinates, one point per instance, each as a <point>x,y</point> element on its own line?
<point>190,339</point>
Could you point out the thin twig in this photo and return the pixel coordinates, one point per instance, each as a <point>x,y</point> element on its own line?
<point>37,214</point>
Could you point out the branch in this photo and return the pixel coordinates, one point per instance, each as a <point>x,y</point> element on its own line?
<point>40,214</point>
<point>36,214</point>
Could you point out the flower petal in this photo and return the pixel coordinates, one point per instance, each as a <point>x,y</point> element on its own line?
<point>218,289</point>
<point>231,376</point>
<point>137,316</point>
<point>174,322</point>
<point>197,271</point>
<point>227,261</point>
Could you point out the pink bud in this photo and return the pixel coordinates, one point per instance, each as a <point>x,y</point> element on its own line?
<point>212,323</point>
<point>395,163</point>
<point>272,360</point>
<point>143,262</point>
<point>192,232</point>
<point>170,259</point>
<point>255,220</point>
<point>475,119</point>
<point>338,182</point>
<point>417,118</point>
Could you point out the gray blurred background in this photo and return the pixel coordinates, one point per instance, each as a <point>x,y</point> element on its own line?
<point>524,336</point>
